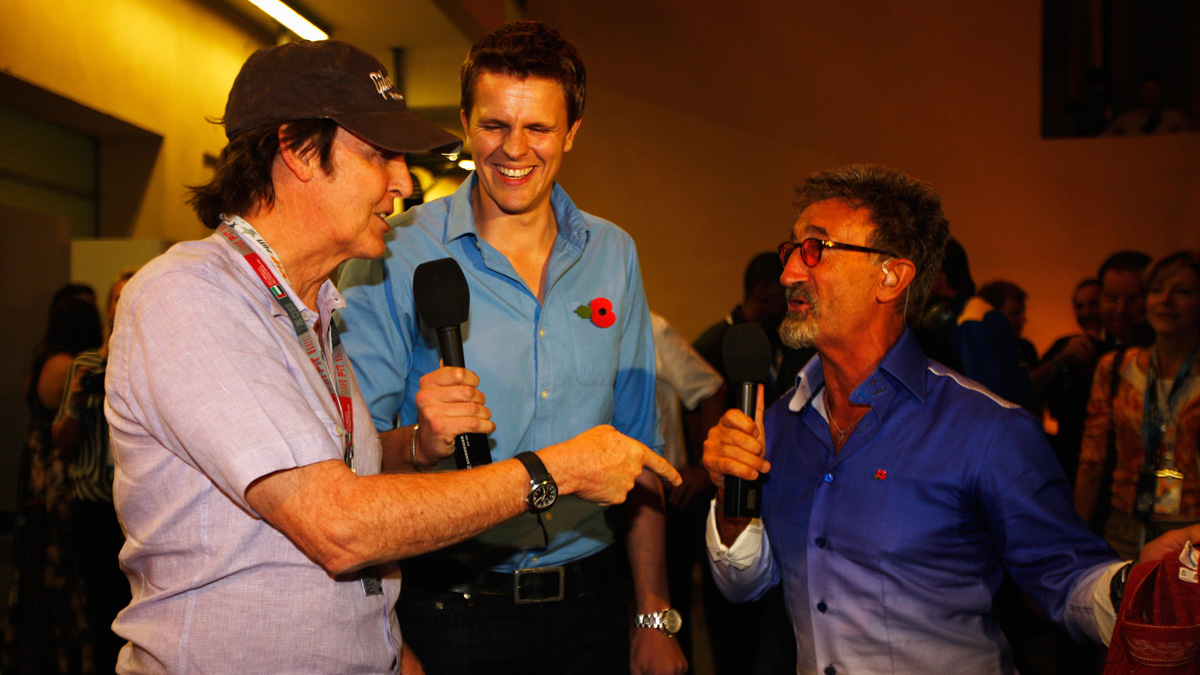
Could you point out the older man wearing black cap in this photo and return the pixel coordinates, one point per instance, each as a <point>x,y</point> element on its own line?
<point>261,508</point>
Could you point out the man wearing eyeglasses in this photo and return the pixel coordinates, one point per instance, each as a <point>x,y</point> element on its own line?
<point>896,492</point>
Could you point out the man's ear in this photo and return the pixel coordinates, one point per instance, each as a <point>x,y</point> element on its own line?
<point>898,274</point>
<point>302,165</point>
<point>570,142</point>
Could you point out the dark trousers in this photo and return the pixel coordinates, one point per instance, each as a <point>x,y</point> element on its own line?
<point>752,638</point>
<point>584,634</point>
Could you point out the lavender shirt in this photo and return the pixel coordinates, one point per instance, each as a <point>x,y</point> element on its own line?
<point>209,389</point>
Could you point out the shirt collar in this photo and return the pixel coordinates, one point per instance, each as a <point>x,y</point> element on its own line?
<point>572,226</point>
<point>328,297</point>
<point>904,363</point>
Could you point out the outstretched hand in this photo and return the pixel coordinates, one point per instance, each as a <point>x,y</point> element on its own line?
<point>601,465</point>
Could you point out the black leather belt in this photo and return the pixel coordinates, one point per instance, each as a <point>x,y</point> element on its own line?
<point>537,584</point>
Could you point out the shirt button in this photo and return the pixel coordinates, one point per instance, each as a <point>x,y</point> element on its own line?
<point>830,670</point>
<point>828,478</point>
<point>541,332</point>
<point>339,430</point>
<point>533,559</point>
<point>820,542</point>
<point>545,394</point>
<point>821,606</point>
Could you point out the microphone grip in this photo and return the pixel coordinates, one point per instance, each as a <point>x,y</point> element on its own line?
<point>470,450</point>
<point>748,398</point>
<point>450,347</point>
<point>742,497</point>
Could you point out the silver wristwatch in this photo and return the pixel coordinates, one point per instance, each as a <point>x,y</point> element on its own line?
<point>669,621</point>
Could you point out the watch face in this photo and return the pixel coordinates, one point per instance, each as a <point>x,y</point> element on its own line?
<point>672,621</point>
<point>542,497</point>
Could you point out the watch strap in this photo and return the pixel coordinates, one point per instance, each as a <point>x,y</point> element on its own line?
<point>534,467</point>
<point>658,621</point>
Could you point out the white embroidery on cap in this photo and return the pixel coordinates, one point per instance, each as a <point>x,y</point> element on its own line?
<point>383,85</point>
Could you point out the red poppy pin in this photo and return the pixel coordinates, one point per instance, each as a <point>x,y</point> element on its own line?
<point>600,311</point>
<point>880,474</point>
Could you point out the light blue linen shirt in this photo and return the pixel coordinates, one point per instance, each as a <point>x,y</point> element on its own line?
<point>891,549</point>
<point>548,372</point>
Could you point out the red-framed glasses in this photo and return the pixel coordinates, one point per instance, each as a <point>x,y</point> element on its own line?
<point>812,248</point>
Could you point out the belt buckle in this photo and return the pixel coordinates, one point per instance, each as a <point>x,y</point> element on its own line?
<point>530,595</point>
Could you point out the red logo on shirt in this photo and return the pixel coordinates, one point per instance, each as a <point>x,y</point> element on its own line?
<point>880,474</point>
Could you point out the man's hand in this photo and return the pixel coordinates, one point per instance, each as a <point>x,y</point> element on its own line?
<point>735,446</point>
<point>601,464</point>
<point>652,652</point>
<point>1171,542</point>
<point>449,403</point>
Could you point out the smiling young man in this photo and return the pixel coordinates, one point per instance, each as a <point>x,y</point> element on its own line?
<point>561,339</point>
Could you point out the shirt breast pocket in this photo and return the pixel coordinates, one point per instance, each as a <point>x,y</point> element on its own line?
<point>596,341</point>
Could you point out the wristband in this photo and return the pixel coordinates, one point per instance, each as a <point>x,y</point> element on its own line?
<point>412,447</point>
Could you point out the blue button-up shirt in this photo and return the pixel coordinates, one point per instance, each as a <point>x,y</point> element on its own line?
<point>548,371</point>
<point>891,549</point>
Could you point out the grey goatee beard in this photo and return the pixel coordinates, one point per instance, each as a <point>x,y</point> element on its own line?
<point>799,329</point>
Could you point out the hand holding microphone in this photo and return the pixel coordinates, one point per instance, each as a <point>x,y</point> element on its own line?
<point>747,353</point>
<point>443,300</point>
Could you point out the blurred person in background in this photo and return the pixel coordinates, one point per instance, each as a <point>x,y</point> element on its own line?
<point>1063,378</point>
<point>1153,417</point>
<point>80,435</point>
<point>49,632</point>
<point>1010,300</point>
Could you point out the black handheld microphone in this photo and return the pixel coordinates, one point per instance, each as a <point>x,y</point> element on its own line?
<point>747,353</point>
<point>443,302</point>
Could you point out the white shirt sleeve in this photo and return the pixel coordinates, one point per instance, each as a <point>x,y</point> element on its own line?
<point>744,570</point>
<point>1102,608</point>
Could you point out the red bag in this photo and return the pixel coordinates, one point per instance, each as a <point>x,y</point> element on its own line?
<point>1158,625</point>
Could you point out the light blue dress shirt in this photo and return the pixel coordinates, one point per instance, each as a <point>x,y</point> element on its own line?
<point>891,550</point>
<point>548,372</point>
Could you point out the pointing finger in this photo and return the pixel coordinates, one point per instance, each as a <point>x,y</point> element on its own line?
<point>660,466</point>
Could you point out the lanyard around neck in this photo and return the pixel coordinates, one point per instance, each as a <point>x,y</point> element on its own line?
<point>1154,420</point>
<point>339,385</point>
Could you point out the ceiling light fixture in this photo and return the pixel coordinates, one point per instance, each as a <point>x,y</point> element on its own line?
<point>291,19</point>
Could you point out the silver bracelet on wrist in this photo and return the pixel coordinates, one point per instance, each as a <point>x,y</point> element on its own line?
<point>412,447</point>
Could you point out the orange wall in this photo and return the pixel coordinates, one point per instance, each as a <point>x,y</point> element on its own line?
<point>698,124</point>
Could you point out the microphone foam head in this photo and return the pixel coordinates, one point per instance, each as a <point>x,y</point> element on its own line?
<point>441,294</point>
<point>747,353</point>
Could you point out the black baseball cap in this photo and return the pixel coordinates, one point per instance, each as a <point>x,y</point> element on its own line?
<point>329,79</point>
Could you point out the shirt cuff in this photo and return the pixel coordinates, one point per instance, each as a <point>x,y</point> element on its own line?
<point>745,549</point>
<point>1106,616</point>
